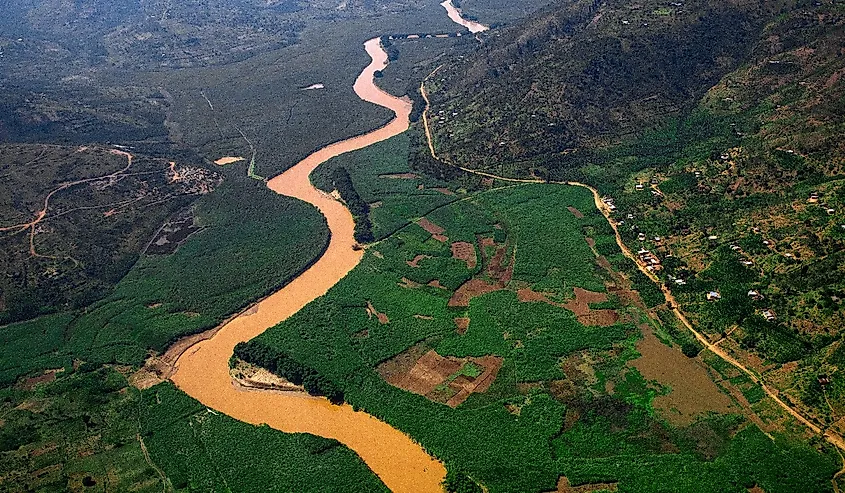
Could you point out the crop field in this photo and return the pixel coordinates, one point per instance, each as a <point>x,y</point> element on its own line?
<point>85,429</point>
<point>594,403</point>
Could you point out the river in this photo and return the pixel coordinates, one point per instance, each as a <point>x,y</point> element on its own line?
<point>203,370</point>
<point>456,16</point>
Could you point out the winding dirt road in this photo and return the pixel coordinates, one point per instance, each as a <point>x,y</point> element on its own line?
<point>203,369</point>
<point>42,214</point>
<point>831,436</point>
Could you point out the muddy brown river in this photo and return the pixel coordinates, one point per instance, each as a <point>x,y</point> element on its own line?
<point>203,370</point>
<point>455,15</point>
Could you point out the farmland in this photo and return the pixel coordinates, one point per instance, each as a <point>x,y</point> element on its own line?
<point>499,326</point>
<point>733,178</point>
<point>88,428</point>
<point>569,398</point>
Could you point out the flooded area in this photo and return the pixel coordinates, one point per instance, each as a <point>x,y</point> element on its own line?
<point>203,369</point>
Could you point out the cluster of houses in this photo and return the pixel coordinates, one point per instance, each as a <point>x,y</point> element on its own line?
<point>650,260</point>
<point>653,264</point>
<point>747,261</point>
<point>767,313</point>
<point>654,191</point>
<point>814,199</point>
<point>608,202</point>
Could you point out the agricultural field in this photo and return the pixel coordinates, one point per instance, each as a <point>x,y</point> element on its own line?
<point>731,181</point>
<point>504,318</point>
<point>751,208</point>
<point>86,428</point>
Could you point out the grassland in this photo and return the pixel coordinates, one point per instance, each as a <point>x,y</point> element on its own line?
<point>567,399</point>
<point>89,430</point>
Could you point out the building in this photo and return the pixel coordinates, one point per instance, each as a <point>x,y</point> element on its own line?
<point>755,295</point>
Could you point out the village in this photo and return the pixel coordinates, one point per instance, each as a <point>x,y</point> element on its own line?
<point>653,250</point>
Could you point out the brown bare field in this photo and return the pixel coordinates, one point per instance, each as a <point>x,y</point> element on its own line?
<point>430,227</point>
<point>462,250</point>
<point>575,212</point>
<point>528,295</point>
<point>600,318</point>
<point>444,191</point>
<point>580,306</point>
<point>627,296</point>
<point>472,289</point>
<point>495,271</point>
<point>693,392</point>
<point>433,376</point>
<point>371,312</point>
<point>564,486</point>
<point>47,377</point>
<point>461,325</point>
<point>436,284</point>
<point>416,261</point>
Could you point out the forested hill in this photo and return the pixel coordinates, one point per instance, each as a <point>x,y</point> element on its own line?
<point>716,127</point>
<point>589,73</point>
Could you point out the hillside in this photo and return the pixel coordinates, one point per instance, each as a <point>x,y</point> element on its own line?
<point>717,131</point>
<point>75,220</point>
<point>588,74</point>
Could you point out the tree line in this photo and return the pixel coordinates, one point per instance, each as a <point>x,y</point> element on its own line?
<point>359,208</point>
<point>282,364</point>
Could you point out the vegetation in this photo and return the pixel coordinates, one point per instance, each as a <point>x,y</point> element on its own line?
<point>101,213</point>
<point>89,428</point>
<point>734,139</point>
<point>290,369</point>
<point>726,164</point>
<point>272,239</point>
<point>360,209</point>
<point>385,191</point>
<point>540,410</point>
<point>457,482</point>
